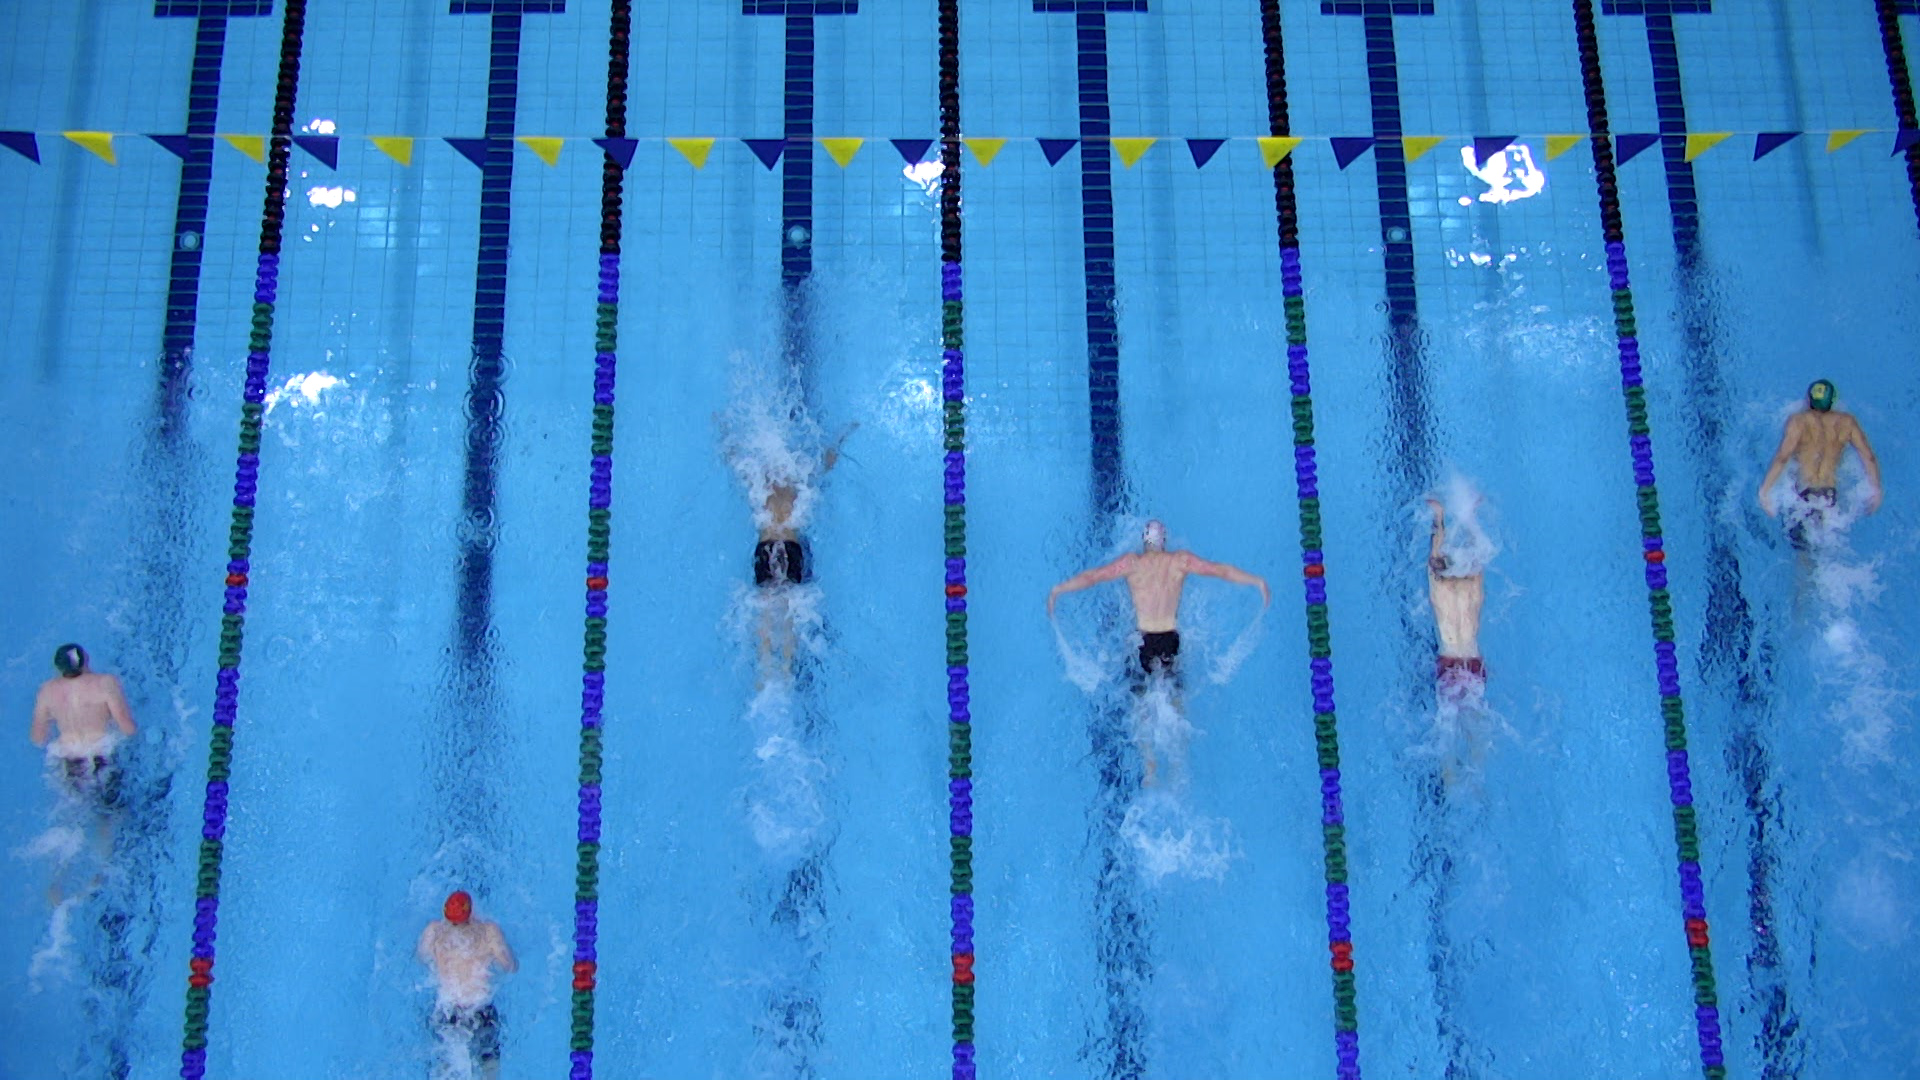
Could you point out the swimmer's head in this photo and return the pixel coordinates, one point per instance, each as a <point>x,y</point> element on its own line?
<point>71,660</point>
<point>459,907</point>
<point>1820,395</point>
<point>1154,536</point>
<point>1439,564</point>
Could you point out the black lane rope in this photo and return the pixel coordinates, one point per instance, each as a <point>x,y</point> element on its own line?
<point>1326,735</point>
<point>193,1054</point>
<point>593,681</point>
<point>1901,77</point>
<point>1660,602</point>
<point>953,388</point>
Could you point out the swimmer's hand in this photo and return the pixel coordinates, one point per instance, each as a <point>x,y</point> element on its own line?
<point>1266,597</point>
<point>1873,499</point>
<point>831,455</point>
<point>1766,504</point>
<point>1052,595</point>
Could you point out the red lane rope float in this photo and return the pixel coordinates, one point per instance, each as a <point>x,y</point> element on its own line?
<point>586,895</point>
<point>953,385</point>
<point>246,483</point>
<point>1640,442</point>
<point>1326,733</point>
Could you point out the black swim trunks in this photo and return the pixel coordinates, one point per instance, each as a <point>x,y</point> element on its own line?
<point>1810,513</point>
<point>1158,651</point>
<point>779,562</point>
<point>478,1027</point>
<point>93,780</point>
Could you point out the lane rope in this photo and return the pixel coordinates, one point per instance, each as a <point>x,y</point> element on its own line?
<point>1326,734</point>
<point>1653,551</point>
<point>953,386</point>
<point>586,895</point>
<point>246,484</point>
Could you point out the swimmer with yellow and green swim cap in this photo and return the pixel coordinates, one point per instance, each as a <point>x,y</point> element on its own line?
<point>1815,441</point>
<point>1820,396</point>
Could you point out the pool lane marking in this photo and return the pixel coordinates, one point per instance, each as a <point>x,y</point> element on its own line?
<point>1411,424</point>
<point>593,680</point>
<point>193,1053</point>
<point>1326,734</point>
<point>195,150</point>
<point>1732,630</point>
<point>953,393</point>
<point>1901,78</point>
<point>1653,549</point>
<point>1120,922</point>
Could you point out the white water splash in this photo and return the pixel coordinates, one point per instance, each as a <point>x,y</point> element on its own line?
<point>1861,687</point>
<point>1470,546</point>
<point>1171,840</point>
<point>784,806</point>
<point>1221,669</point>
<point>54,958</point>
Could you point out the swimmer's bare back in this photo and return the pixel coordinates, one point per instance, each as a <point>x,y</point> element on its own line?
<point>77,713</point>
<point>1156,579</point>
<point>1816,442</point>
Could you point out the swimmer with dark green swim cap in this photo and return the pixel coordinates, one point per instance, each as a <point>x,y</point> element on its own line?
<point>1816,440</point>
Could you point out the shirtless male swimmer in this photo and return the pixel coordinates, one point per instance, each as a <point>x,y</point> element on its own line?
<point>1815,440</point>
<point>1155,579</point>
<point>463,951</point>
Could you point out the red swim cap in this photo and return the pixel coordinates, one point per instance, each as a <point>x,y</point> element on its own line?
<point>459,907</point>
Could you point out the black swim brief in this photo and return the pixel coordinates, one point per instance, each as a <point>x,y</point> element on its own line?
<point>1811,512</point>
<point>779,562</point>
<point>92,779</point>
<point>1158,651</point>
<point>478,1027</point>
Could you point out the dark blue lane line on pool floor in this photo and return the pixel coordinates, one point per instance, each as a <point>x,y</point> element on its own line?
<point>1409,422</point>
<point>800,903</point>
<point>471,737</point>
<point>1737,657</point>
<point>1410,430</point>
<point>1901,77</point>
<point>1121,926</point>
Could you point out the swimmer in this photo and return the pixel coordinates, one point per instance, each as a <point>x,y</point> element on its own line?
<point>1815,440</point>
<point>1156,578</point>
<point>80,716</point>
<point>1457,593</point>
<point>463,952</point>
<point>780,557</point>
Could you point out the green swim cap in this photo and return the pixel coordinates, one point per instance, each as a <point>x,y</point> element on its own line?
<point>1821,394</point>
<point>70,659</point>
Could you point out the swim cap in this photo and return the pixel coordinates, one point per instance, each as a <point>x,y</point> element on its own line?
<point>1821,394</point>
<point>459,907</point>
<point>1154,536</point>
<point>71,660</point>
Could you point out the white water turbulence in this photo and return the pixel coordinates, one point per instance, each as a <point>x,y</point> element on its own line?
<point>1470,546</point>
<point>1169,837</point>
<point>1855,678</point>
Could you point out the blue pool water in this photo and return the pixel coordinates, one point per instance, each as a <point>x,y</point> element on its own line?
<point>774,890</point>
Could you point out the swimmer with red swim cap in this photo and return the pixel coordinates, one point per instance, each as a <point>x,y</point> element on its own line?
<point>463,952</point>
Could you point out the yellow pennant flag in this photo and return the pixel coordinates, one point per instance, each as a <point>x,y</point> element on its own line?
<point>1132,150</point>
<point>985,149</point>
<point>1274,148</point>
<point>397,147</point>
<point>1703,141</point>
<point>842,150</point>
<point>254,146</point>
<point>1560,144</point>
<point>1416,146</point>
<point>1838,139</point>
<point>547,149</point>
<point>694,150</point>
<point>100,142</point>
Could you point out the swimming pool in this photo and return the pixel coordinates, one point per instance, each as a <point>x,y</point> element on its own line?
<point>775,879</point>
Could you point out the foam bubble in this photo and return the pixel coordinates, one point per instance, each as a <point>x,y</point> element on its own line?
<point>1171,840</point>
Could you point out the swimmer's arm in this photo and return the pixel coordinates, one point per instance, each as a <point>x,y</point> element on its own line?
<point>831,456</point>
<point>117,706</point>
<point>1225,572</point>
<point>425,950</point>
<point>42,721</point>
<point>501,954</point>
<point>1439,534</point>
<point>1088,578</point>
<point>1858,437</point>
<point>1789,442</point>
